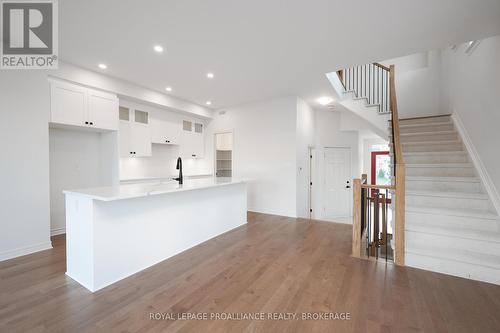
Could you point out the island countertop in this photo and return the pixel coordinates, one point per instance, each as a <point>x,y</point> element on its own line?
<point>129,191</point>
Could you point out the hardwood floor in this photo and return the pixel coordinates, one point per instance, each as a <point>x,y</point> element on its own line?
<point>272,265</point>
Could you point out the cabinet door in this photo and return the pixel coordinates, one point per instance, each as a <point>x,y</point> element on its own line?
<point>198,140</point>
<point>68,104</point>
<point>198,145</point>
<point>140,139</point>
<point>165,131</point>
<point>124,139</point>
<point>103,110</point>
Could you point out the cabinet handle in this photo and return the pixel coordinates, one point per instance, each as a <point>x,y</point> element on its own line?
<point>86,123</point>
<point>91,123</point>
<point>193,155</point>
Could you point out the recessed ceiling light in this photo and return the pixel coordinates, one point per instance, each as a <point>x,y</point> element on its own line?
<point>325,100</point>
<point>102,66</point>
<point>158,48</point>
<point>169,89</point>
<point>210,75</point>
<point>208,103</point>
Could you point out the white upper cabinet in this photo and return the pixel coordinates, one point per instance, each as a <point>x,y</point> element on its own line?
<point>68,104</point>
<point>71,104</point>
<point>193,139</point>
<point>165,129</point>
<point>224,141</point>
<point>134,134</point>
<point>103,110</point>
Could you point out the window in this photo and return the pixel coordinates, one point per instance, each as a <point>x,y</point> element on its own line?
<point>124,113</point>
<point>198,128</point>
<point>141,117</point>
<point>187,125</point>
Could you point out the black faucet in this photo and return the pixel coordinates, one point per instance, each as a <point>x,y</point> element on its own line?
<point>179,167</point>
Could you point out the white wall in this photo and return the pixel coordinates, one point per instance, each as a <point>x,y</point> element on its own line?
<point>418,85</point>
<point>24,162</point>
<point>328,133</point>
<point>471,88</point>
<point>78,159</point>
<point>304,140</point>
<point>264,151</point>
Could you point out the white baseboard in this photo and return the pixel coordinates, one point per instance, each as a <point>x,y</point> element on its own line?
<point>478,163</point>
<point>25,250</point>
<point>57,231</point>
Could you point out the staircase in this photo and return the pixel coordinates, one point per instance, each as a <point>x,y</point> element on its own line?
<point>364,90</point>
<point>451,226</point>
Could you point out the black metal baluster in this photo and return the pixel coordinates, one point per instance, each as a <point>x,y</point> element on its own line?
<point>387,221</point>
<point>365,82</point>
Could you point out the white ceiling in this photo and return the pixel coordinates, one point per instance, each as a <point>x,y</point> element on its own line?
<point>258,49</point>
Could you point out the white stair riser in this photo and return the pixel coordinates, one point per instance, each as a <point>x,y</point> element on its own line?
<point>454,268</point>
<point>432,147</point>
<point>429,137</point>
<point>442,158</point>
<point>428,120</point>
<point>443,186</point>
<point>441,172</point>
<point>445,221</point>
<point>423,128</point>
<point>447,246</point>
<point>447,202</point>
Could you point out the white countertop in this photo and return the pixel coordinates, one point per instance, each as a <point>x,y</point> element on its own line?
<point>163,178</point>
<point>130,191</point>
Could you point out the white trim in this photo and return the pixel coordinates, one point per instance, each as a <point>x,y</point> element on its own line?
<point>57,231</point>
<point>478,163</point>
<point>9,254</point>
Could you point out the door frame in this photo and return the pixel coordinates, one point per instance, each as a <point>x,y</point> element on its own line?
<point>349,149</point>
<point>215,151</point>
<point>312,181</point>
<point>373,170</point>
<point>373,165</point>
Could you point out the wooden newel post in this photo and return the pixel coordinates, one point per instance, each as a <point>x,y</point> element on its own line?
<point>356,218</point>
<point>399,257</point>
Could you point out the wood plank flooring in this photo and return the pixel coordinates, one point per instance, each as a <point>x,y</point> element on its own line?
<point>272,265</point>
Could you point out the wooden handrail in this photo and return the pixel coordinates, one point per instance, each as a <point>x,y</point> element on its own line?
<point>396,134</point>
<point>382,66</point>
<point>378,187</point>
<point>400,173</point>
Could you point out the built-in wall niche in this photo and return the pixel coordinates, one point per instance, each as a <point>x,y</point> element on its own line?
<point>224,154</point>
<point>77,160</point>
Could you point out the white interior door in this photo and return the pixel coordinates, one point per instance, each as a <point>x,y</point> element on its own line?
<point>338,195</point>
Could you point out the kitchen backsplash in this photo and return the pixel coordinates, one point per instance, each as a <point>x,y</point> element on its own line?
<point>161,164</point>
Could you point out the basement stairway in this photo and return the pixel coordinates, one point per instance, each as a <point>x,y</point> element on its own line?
<point>451,225</point>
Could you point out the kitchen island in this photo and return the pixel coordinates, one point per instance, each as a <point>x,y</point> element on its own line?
<point>114,232</point>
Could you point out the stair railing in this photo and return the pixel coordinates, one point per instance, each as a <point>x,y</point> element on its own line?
<point>370,81</point>
<point>367,235</point>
